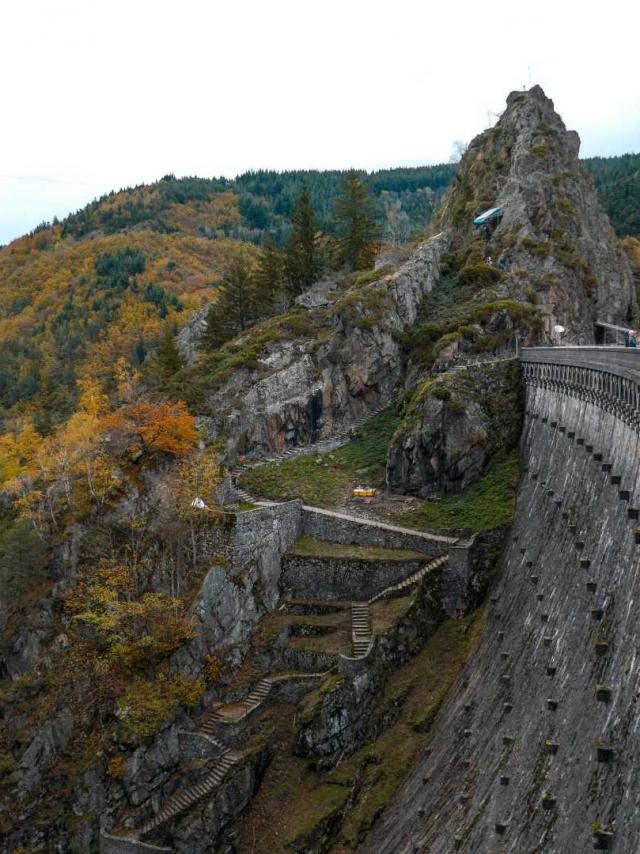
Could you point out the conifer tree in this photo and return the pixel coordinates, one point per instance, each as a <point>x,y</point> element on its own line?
<point>359,240</point>
<point>268,277</point>
<point>302,256</point>
<point>168,358</point>
<point>235,309</point>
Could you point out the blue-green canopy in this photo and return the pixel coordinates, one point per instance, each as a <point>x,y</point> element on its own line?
<point>487,216</point>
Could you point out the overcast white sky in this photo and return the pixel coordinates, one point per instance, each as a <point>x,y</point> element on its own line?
<point>101,94</point>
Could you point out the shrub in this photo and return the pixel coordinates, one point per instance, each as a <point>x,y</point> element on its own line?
<point>146,706</point>
<point>534,246</point>
<point>479,273</point>
<point>441,392</point>
<point>540,149</point>
<point>567,206</point>
<point>7,763</point>
<point>115,768</point>
<point>455,406</point>
<point>213,668</point>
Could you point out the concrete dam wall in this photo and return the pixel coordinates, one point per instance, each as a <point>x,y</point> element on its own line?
<point>537,749</point>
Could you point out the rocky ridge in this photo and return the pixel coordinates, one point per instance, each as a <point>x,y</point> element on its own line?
<point>551,260</point>
<point>331,367</point>
<point>554,236</point>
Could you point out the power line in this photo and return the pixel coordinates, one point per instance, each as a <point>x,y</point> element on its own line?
<point>54,181</point>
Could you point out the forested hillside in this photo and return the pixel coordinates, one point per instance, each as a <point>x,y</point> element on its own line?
<point>405,201</point>
<point>617,180</point>
<point>94,294</point>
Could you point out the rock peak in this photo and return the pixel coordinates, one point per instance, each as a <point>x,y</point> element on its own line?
<point>553,241</point>
<point>536,93</point>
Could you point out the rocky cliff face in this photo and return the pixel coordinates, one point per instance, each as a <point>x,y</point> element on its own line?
<point>330,366</point>
<point>552,259</point>
<point>331,361</point>
<point>460,421</point>
<point>554,237</point>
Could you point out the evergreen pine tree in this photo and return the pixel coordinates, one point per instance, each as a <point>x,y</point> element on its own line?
<point>140,351</point>
<point>359,240</point>
<point>302,257</point>
<point>235,309</point>
<point>268,278</point>
<point>168,358</point>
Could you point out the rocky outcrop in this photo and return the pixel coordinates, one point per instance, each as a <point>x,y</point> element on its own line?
<point>47,744</point>
<point>457,423</point>
<point>555,240</point>
<point>188,339</point>
<point>552,259</point>
<point>243,583</point>
<point>330,367</point>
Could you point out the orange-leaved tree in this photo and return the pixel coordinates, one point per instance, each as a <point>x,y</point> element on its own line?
<point>164,427</point>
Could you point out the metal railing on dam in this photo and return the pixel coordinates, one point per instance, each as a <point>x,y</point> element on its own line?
<point>607,377</point>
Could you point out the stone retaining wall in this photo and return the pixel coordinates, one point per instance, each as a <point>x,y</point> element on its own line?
<point>341,578</point>
<point>340,528</point>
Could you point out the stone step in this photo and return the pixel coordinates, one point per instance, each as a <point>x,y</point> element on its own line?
<point>185,799</point>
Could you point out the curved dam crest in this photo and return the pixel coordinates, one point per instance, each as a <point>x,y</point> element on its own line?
<point>537,749</point>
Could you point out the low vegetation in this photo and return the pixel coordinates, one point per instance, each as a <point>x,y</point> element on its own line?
<point>324,480</point>
<point>488,503</point>
<point>306,546</point>
<point>298,803</point>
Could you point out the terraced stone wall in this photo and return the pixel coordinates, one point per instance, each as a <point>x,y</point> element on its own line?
<point>329,578</point>
<point>340,528</point>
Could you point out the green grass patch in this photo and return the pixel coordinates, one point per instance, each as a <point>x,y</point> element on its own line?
<point>293,800</point>
<point>418,689</point>
<point>330,633</point>
<point>306,546</point>
<point>325,483</point>
<point>314,699</point>
<point>488,503</point>
<point>386,612</point>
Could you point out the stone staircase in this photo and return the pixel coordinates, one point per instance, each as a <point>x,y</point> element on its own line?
<point>361,633</point>
<point>211,721</point>
<point>255,697</point>
<point>243,495</point>
<point>187,797</point>
<point>411,579</point>
<point>361,630</point>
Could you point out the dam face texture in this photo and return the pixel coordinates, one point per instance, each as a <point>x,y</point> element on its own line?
<point>538,747</point>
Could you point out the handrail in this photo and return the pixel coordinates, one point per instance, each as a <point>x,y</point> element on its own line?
<point>611,357</point>
<point>603,376</point>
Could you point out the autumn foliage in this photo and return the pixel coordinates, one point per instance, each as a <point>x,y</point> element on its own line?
<point>164,428</point>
